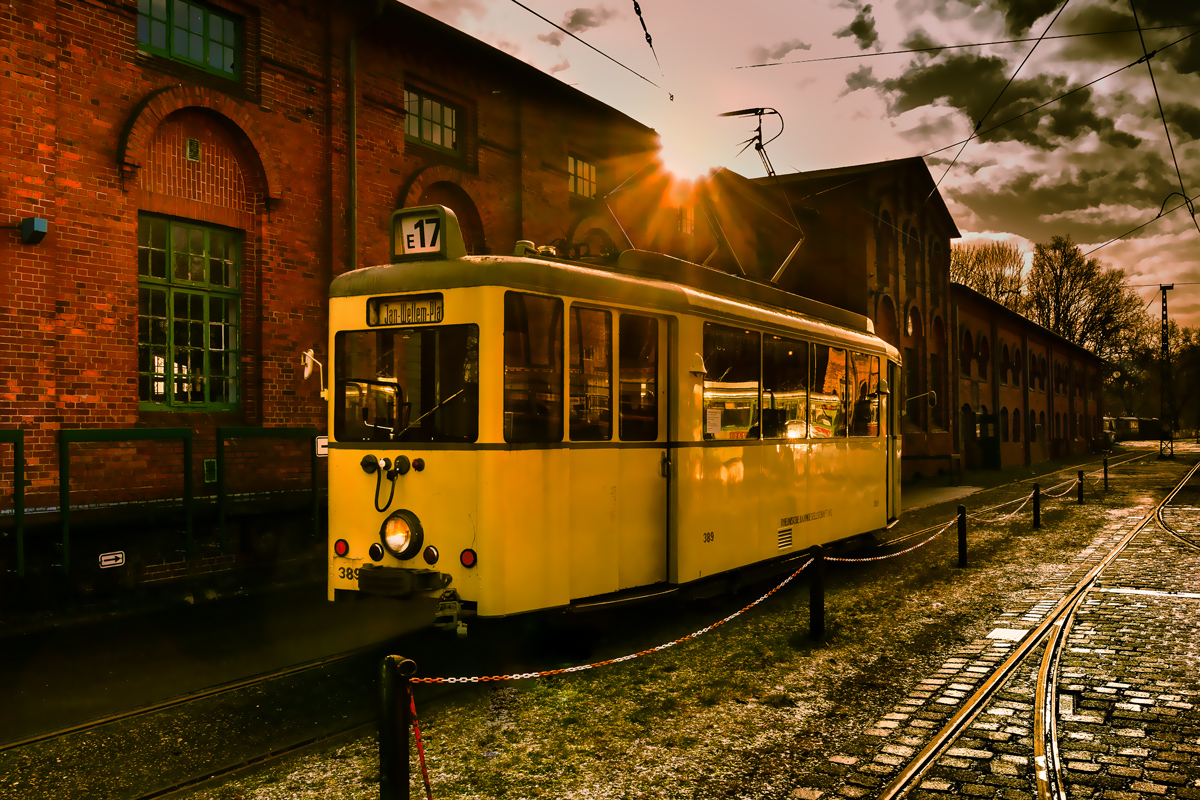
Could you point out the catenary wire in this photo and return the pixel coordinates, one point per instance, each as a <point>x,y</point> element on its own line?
<point>1147,56</point>
<point>1161,214</point>
<point>1063,96</point>
<point>939,48</point>
<point>581,41</point>
<point>1012,78</point>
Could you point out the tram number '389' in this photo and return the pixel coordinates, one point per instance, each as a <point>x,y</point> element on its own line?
<point>348,573</point>
<point>709,536</point>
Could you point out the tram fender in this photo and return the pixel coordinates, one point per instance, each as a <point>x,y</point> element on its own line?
<point>400,581</point>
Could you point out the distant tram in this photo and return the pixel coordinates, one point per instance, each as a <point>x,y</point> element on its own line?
<point>517,433</point>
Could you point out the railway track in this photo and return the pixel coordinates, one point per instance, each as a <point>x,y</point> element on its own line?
<point>1043,646</point>
<point>164,749</point>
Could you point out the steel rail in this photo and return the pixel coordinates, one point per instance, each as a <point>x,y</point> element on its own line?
<point>905,537</point>
<point>1045,718</point>
<point>903,783</point>
<point>1162,523</point>
<point>183,699</point>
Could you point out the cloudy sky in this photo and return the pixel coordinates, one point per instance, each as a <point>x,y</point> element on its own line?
<point>1094,165</point>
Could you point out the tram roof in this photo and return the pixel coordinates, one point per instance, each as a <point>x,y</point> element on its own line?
<point>650,280</point>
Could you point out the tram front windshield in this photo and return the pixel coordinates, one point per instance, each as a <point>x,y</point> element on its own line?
<point>408,384</point>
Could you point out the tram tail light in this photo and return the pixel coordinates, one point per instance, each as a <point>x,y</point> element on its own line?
<point>341,547</point>
<point>431,555</point>
<point>467,558</point>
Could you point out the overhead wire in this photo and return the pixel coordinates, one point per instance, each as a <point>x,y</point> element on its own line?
<point>939,48</point>
<point>581,41</point>
<point>1161,214</point>
<point>1147,56</point>
<point>637,9</point>
<point>1012,78</point>
<point>1062,96</point>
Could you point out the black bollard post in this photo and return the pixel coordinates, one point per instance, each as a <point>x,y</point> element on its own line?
<point>394,722</point>
<point>816,595</point>
<point>962,536</point>
<point>1106,473</point>
<point>1037,506</point>
<point>1080,487</point>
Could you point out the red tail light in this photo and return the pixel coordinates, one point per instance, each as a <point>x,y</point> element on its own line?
<point>341,547</point>
<point>467,558</point>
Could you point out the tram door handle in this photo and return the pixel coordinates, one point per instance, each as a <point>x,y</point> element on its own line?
<point>665,465</point>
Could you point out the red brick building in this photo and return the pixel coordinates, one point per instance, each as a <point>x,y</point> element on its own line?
<point>1023,394</point>
<point>203,171</point>
<point>877,241</point>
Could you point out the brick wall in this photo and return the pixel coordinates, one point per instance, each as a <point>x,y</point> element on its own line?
<point>95,134</point>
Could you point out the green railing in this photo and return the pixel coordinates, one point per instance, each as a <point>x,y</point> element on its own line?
<point>17,440</point>
<point>266,433</point>
<point>68,436</point>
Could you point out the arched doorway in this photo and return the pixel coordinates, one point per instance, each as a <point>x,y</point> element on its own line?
<point>452,196</point>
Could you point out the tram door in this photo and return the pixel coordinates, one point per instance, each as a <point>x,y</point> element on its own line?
<point>891,413</point>
<point>617,433</point>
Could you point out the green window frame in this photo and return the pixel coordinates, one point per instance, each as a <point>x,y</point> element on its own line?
<point>191,33</point>
<point>188,315</point>
<point>431,121</point>
<point>582,177</point>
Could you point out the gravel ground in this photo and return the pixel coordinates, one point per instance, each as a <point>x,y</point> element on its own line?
<point>753,709</point>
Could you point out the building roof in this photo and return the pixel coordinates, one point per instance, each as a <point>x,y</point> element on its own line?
<point>527,74</point>
<point>914,164</point>
<point>994,308</point>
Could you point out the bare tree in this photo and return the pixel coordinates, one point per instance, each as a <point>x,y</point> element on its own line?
<point>991,268</point>
<point>1082,300</point>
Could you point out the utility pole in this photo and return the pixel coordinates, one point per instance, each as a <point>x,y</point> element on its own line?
<point>1166,395</point>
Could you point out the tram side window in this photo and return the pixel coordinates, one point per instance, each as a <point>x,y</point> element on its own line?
<point>785,388</point>
<point>639,378</point>
<point>826,411</point>
<point>591,375</point>
<point>731,362</point>
<point>533,368</point>
<point>407,384</point>
<point>863,404</point>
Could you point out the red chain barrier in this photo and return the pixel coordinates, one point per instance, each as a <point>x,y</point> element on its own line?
<point>412,705</point>
<point>607,662</point>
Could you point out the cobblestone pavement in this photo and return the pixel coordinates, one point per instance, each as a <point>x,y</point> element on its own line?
<point>1128,703</point>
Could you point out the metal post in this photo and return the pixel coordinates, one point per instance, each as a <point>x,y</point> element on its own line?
<point>394,722</point>
<point>1037,506</point>
<point>816,595</point>
<point>962,536</point>
<point>1106,474</point>
<point>1080,481</point>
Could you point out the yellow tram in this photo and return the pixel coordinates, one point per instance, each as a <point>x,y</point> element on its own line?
<point>515,433</point>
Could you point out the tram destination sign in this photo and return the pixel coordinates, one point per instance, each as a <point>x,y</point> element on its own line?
<point>422,309</point>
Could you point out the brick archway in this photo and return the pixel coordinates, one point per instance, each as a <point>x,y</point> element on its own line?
<point>134,144</point>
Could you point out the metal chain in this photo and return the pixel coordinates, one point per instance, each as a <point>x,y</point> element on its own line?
<point>902,552</point>
<point>550,672</point>
<point>1004,517</point>
<point>1063,493</point>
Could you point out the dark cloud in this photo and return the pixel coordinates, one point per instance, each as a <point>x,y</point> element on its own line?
<point>577,21</point>
<point>1062,199</point>
<point>1184,57</point>
<point>862,29</point>
<point>920,40</point>
<point>1186,120</point>
<point>559,67</point>
<point>1020,15</point>
<point>971,82</point>
<point>861,78</point>
<point>778,51</point>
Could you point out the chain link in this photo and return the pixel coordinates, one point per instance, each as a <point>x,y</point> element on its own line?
<point>1063,493</point>
<point>902,552</point>
<point>546,673</point>
<point>1002,517</point>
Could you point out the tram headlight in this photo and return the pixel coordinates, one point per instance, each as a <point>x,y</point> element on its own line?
<point>401,534</point>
